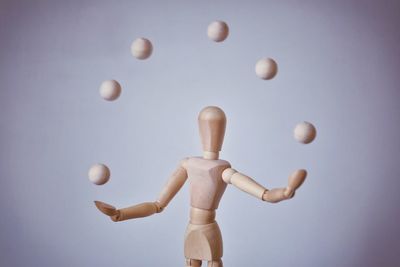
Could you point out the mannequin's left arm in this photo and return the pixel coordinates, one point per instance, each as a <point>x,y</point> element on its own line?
<point>248,185</point>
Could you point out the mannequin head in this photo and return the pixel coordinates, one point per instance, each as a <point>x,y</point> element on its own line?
<point>212,123</point>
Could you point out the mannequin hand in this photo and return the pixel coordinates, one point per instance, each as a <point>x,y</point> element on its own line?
<point>108,210</point>
<point>296,179</point>
<point>274,195</point>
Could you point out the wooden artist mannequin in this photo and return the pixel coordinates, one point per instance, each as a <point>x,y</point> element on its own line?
<point>208,178</point>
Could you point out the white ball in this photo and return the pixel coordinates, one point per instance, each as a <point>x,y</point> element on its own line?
<point>99,174</point>
<point>305,132</point>
<point>141,48</point>
<point>266,68</point>
<point>218,31</point>
<point>110,90</point>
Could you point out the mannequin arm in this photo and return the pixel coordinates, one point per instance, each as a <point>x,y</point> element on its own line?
<point>172,187</point>
<point>137,211</point>
<point>248,185</point>
<point>174,184</point>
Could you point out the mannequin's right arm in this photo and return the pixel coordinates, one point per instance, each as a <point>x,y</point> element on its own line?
<point>174,184</point>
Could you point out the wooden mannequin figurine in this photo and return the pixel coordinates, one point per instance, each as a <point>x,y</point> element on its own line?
<point>208,178</point>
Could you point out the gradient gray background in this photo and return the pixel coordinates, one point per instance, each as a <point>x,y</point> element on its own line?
<point>339,67</point>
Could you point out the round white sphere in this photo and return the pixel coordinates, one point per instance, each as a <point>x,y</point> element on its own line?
<point>266,68</point>
<point>141,48</point>
<point>110,90</point>
<point>305,132</point>
<point>99,174</point>
<point>218,31</point>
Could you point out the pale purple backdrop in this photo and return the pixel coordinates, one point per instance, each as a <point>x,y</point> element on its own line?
<point>339,65</point>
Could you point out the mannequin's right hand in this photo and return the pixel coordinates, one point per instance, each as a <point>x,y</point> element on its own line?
<point>108,210</point>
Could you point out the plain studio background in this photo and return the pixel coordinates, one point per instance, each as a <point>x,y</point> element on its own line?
<point>339,67</point>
